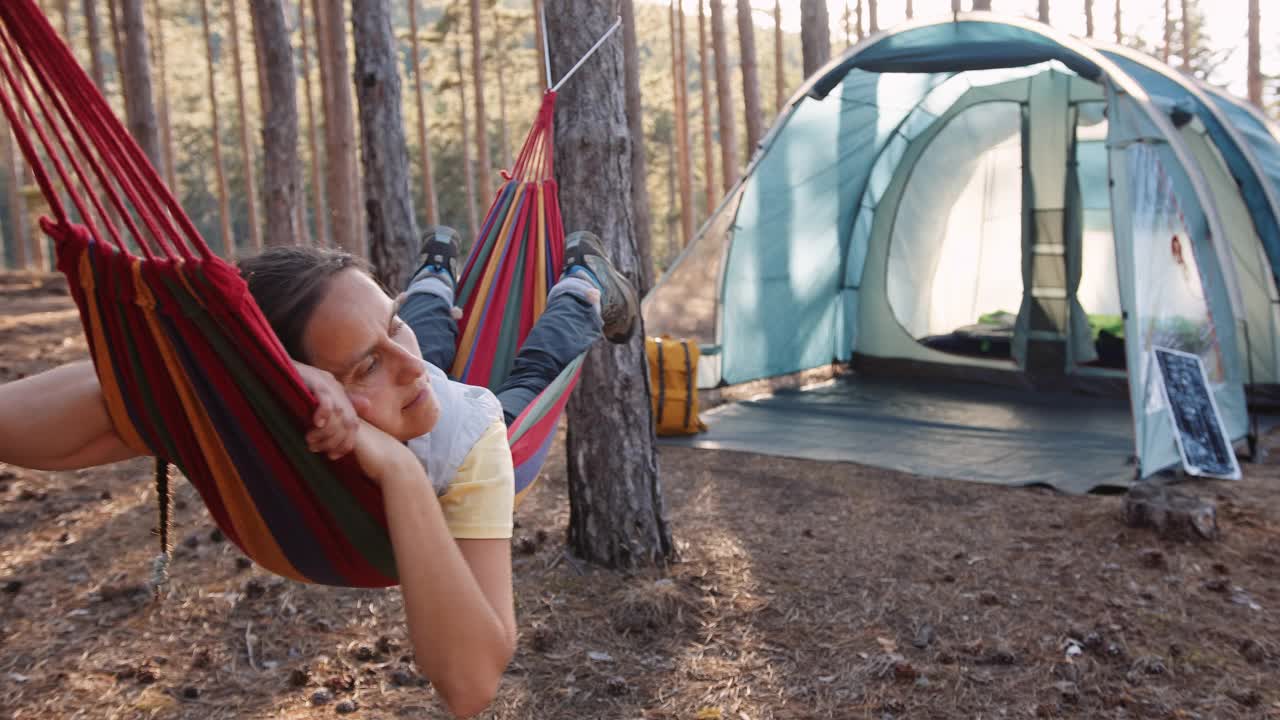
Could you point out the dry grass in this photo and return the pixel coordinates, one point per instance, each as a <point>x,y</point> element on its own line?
<point>805,590</point>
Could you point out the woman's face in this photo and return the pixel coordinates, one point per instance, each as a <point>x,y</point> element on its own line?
<point>354,334</point>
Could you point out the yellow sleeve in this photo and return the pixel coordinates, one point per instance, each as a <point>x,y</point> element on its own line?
<point>479,503</point>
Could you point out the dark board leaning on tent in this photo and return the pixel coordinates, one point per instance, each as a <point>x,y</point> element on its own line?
<point>1202,439</point>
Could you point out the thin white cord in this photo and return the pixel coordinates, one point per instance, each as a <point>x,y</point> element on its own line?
<point>590,52</point>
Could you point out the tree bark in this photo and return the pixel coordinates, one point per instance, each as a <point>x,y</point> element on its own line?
<point>1254,54</point>
<point>779,61</point>
<point>1042,11</point>
<point>18,229</point>
<point>750,76</point>
<point>166,129</point>
<point>982,5</point>
<point>1119,34</point>
<point>224,201</point>
<point>246,149</point>
<point>64,9</point>
<point>542,50</point>
<point>860,32</point>
<point>873,17</point>
<point>724,96</point>
<point>468,170</point>
<point>616,512</point>
<point>504,139</point>
<point>1166,48</point>
<point>424,145</point>
<point>847,17</point>
<point>635,126</point>
<point>484,179</point>
<point>339,132</point>
<point>1186,36</point>
<point>94,36</point>
<point>139,107</point>
<point>679,78</point>
<point>704,81</point>
<point>911,12</point>
<point>392,224</point>
<point>117,47</point>
<point>319,235</point>
<point>815,35</point>
<point>281,166</point>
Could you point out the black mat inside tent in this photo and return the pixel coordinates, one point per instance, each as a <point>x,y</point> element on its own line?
<point>983,433</point>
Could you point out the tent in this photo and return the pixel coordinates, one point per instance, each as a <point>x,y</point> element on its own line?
<point>986,198</point>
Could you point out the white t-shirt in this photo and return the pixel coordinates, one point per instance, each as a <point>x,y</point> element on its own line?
<point>466,411</point>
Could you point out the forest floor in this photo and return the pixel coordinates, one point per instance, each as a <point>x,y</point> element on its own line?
<point>804,590</point>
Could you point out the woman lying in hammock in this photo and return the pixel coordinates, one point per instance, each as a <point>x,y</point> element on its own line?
<point>373,364</point>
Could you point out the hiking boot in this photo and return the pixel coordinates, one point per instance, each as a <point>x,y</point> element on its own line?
<point>584,255</point>
<point>439,254</point>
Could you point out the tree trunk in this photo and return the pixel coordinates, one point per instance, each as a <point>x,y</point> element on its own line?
<point>815,35</point>
<point>1165,48</point>
<point>339,132</point>
<point>64,9</point>
<point>859,21</point>
<point>224,201</point>
<point>616,513</point>
<point>319,236</point>
<point>281,166</point>
<point>117,47</point>
<point>484,180</point>
<point>982,5</point>
<point>166,129</point>
<point>18,229</point>
<point>873,17</point>
<point>504,139</point>
<point>139,108</point>
<point>704,80</point>
<point>1255,54</point>
<point>724,95</point>
<point>847,17</point>
<point>468,171</point>
<point>94,37</point>
<point>911,11</point>
<point>424,145</point>
<point>679,78</point>
<point>635,126</point>
<point>393,226</point>
<point>750,78</point>
<point>779,61</point>
<point>1042,11</point>
<point>1186,37</point>
<point>1088,18</point>
<point>246,149</point>
<point>542,49</point>
<point>1119,34</point>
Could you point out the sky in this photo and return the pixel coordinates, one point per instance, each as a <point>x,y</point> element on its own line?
<point>1226,23</point>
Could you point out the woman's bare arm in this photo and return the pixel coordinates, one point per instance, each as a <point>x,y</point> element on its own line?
<point>57,420</point>
<point>457,594</point>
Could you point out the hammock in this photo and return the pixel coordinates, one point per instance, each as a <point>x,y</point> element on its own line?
<point>191,371</point>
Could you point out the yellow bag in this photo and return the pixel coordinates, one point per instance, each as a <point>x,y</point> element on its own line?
<point>673,374</point>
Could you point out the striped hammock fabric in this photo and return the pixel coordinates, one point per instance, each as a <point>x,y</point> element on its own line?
<point>190,369</point>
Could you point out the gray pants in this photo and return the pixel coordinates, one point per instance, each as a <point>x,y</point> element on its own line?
<point>565,330</point>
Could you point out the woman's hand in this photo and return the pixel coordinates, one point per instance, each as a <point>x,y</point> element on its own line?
<point>337,416</point>
<point>385,459</point>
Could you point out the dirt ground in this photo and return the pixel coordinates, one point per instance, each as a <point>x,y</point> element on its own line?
<point>805,590</point>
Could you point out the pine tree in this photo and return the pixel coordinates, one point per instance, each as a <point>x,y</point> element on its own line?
<point>281,166</point>
<point>616,512</point>
<point>680,92</point>
<point>393,227</point>
<point>19,230</point>
<point>424,145</point>
<point>341,175</point>
<point>220,176</point>
<point>779,60</point>
<point>635,127</point>
<point>320,235</point>
<point>1254,80</point>
<point>94,40</point>
<point>140,110</point>
<point>750,77</point>
<point>815,35</point>
<point>250,189</point>
<point>724,94</point>
<point>484,166</point>
<point>708,142</point>
<point>162,76</point>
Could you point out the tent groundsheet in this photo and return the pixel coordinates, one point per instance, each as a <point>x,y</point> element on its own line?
<point>999,435</point>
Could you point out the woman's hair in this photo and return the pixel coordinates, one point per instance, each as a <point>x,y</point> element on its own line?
<point>289,282</point>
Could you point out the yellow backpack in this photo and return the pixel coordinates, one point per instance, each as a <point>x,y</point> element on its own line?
<point>673,374</point>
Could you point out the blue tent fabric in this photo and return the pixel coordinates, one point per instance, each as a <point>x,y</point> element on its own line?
<point>958,46</point>
<point>1265,146</point>
<point>1159,86</point>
